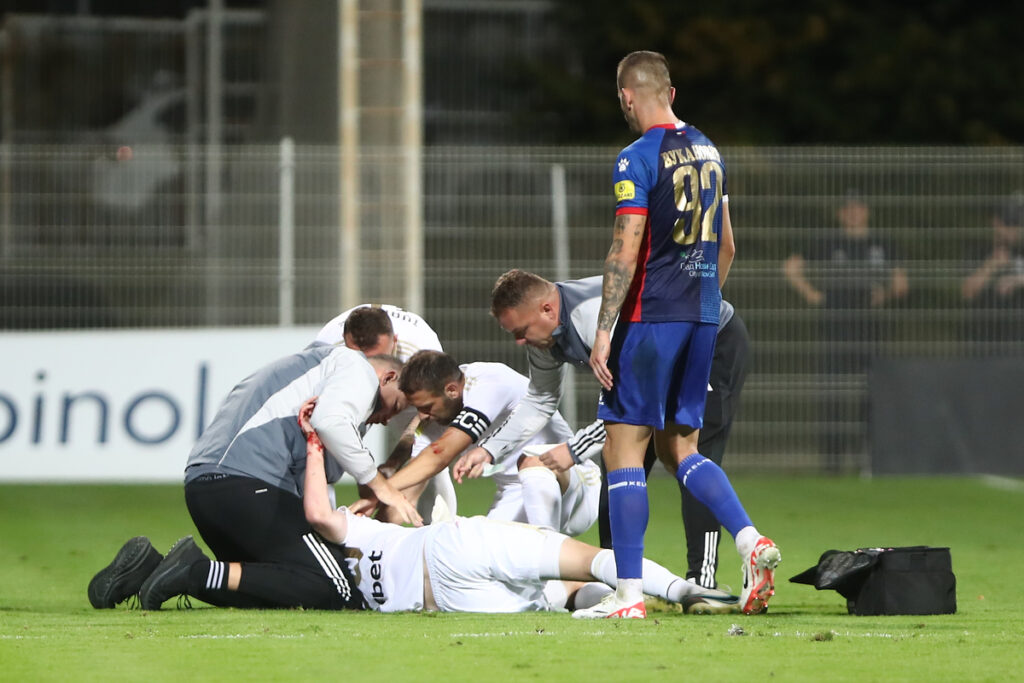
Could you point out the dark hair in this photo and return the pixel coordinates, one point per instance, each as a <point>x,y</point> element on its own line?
<point>644,69</point>
<point>513,288</point>
<point>429,371</point>
<point>366,324</point>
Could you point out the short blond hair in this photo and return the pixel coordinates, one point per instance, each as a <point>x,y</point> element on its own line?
<point>514,288</point>
<point>645,70</point>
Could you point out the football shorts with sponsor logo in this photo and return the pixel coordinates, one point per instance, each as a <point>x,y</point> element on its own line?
<point>660,373</point>
<point>483,565</point>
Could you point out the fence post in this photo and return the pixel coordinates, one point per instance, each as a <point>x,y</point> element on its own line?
<point>560,235</point>
<point>412,143</point>
<point>214,160</point>
<point>7,128</point>
<point>348,135</point>
<point>286,231</point>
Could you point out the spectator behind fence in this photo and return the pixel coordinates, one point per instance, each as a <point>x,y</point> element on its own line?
<point>994,292</point>
<point>854,275</point>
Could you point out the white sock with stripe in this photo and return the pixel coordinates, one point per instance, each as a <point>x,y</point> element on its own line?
<point>657,580</point>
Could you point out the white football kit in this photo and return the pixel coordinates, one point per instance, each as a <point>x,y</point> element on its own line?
<point>412,332</point>
<point>490,394</point>
<point>475,564</point>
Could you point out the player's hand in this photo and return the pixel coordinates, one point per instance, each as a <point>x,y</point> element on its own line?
<point>471,465</point>
<point>599,358</point>
<point>314,446</point>
<point>558,459</point>
<point>305,415</point>
<point>364,507</point>
<point>393,498</point>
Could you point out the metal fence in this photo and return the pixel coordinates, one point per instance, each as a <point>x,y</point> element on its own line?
<point>80,79</point>
<point>98,237</point>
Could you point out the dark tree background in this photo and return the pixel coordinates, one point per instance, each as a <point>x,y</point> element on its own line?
<point>818,71</point>
<point>745,71</point>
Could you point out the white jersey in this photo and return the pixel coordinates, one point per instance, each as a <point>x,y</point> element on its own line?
<point>491,393</point>
<point>387,562</point>
<point>411,331</point>
<point>475,564</point>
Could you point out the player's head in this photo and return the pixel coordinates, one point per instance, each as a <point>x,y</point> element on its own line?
<point>368,329</point>
<point>432,382</point>
<point>853,213</point>
<point>526,306</point>
<point>643,83</point>
<point>391,400</point>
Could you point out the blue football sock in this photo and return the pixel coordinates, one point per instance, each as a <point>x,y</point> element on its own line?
<point>708,483</point>
<point>627,516</point>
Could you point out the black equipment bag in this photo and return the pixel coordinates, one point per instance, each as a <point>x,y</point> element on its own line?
<point>875,581</point>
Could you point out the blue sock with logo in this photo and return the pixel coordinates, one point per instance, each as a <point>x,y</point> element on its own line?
<point>628,512</point>
<point>708,483</point>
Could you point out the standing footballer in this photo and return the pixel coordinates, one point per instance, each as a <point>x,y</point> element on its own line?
<point>671,252</point>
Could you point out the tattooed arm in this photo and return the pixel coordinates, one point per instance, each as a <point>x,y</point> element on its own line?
<point>619,267</point>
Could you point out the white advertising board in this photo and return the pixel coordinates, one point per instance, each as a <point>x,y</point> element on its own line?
<point>121,406</point>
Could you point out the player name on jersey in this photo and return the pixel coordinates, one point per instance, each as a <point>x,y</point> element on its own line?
<point>674,157</point>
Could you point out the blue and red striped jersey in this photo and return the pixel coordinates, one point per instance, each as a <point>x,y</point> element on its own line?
<point>675,177</point>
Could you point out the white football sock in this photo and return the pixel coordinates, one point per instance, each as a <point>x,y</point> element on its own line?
<point>663,583</point>
<point>657,580</point>
<point>590,594</point>
<point>630,590</point>
<point>679,588</point>
<point>603,567</point>
<point>746,541</point>
<point>556,593</point>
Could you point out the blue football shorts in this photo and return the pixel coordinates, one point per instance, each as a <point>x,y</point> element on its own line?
<point>660,373</point>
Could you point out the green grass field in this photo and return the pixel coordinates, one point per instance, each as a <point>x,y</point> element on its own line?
<point>54,538</point>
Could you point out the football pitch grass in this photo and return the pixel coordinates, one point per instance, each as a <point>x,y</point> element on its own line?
<point>54,538</point>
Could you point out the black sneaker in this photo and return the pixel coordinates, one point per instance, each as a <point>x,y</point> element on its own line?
<point>170,578</point>
<point>123,577</point>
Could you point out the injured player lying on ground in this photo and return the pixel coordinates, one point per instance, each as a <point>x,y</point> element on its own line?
<point>478,564</point>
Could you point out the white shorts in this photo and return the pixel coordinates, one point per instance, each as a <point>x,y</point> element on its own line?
<point>482,565</point>
<point>579,502</point>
